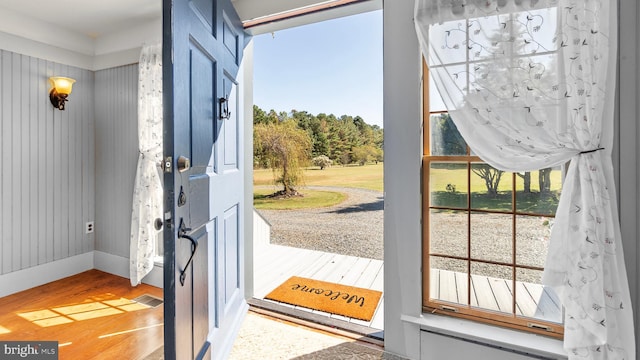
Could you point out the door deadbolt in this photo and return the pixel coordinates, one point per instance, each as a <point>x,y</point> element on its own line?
<point>184,164</point>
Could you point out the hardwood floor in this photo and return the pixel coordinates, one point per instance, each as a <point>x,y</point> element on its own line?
<point>92,315</point>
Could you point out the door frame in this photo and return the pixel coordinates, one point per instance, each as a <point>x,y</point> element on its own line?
<point>245,78</point>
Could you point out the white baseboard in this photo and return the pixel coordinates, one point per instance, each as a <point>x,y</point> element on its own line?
<point>118,265</point>
<point>21,280</point>
<point>155,277</point>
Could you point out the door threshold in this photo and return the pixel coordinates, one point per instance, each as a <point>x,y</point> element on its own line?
<point>319,322</point>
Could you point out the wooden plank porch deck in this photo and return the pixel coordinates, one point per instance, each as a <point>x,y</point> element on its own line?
<point>532,300</point>
<point>273,264</point>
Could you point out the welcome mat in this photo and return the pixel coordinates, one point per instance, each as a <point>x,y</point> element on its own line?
<point>353,302</point>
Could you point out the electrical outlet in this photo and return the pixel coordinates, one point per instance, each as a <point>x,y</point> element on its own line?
<point>89,227</point>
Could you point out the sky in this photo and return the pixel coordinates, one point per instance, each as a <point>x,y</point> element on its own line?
<point>332,67</point>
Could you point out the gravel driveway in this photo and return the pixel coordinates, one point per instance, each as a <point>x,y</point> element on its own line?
<point>353,227</point>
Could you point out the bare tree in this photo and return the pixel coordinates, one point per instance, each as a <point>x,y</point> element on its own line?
<point>490,175</point>
<point>544,181</point>
<point>526,177</point>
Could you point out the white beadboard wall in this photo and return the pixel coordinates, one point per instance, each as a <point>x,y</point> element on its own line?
<point>46,164</point>
<point>116,98</point>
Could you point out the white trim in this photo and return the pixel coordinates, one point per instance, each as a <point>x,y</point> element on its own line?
<point>117,49</point>
<point>48,52</point>
<point>114,59</point>
<point>224,344</point>
<point>246,81</point>
<point>155,277</point>
<point>118,265</point>
<point>490,335</point>
<point>44,51</point>
<point>112,264</point>
<point>250,9</point>
<point>21,280</point>
<point>402,176</point>
<point>26,279</point>
<point>627,163</point>
<point>329,14</point>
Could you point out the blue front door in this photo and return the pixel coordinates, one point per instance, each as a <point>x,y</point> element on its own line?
<point>204,279</point>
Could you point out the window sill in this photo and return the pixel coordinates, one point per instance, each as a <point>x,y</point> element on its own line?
<point>489,335</point>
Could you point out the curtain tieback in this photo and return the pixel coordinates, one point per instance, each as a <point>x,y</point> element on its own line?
<point>590,151</point>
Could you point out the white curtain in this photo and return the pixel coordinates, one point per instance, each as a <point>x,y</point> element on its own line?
<point>147,192</point>
<point>530,84</point>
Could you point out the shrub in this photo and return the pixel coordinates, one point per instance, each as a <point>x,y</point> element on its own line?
<point>322,161</point>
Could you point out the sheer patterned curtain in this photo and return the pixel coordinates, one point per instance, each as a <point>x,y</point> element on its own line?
<point>147,192</point>
<point>530,84</point>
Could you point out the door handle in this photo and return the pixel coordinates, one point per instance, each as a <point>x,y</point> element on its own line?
<point>223,108</point>
<point>184,164</point>
<point>182,234</point>
<point>194,246</point>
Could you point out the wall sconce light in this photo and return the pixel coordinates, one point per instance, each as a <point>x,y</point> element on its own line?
<point>60,89</point>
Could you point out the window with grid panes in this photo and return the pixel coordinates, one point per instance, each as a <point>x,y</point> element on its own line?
<point>485,232</point>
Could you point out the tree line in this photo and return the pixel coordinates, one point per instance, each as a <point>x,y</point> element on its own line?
<point>446,140</point>
<point>286,142</point>
<point>344,140</point>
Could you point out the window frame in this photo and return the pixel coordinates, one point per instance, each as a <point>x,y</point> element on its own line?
<point>436,306</point>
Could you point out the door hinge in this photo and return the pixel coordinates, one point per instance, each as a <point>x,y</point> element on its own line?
<point>167,164</point>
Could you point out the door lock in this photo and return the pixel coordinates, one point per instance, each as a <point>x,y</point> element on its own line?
<point>184,164</point>
<point>166,164</point>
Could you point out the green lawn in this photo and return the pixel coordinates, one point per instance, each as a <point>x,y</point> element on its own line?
<point>371,177</point>
<point>311,199</point>
<point>533,202</point>
<point>441,177</point>
<point>364,177</point>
